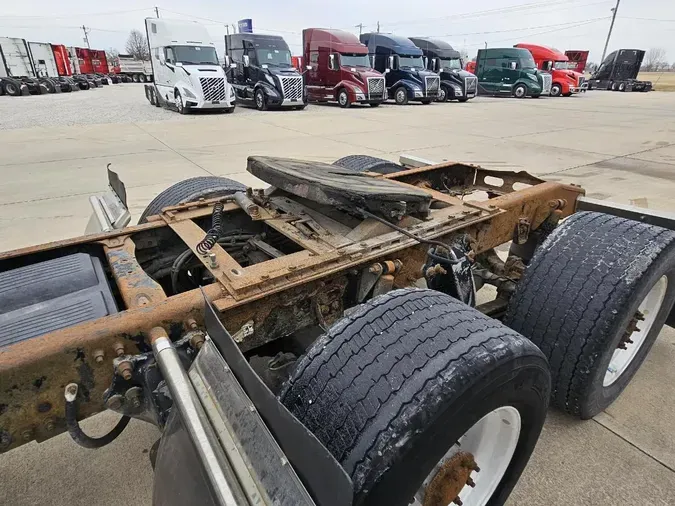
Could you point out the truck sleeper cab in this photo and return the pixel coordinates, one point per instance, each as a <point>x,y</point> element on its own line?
<point>456,84</point>
<point>510,71</point>
<point>261,71</point>
<point>185,66</point>
<point>339,69</point>
<point>565,80</point>
<point>404,68</point>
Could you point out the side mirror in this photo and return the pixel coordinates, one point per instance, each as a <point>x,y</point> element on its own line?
<point>332,62</point>
<point>227,61</point>
<point>233,65</point>
<point>435,64</point>
<point>162,59</point>
<point>246,60</point>
<point>425,60</point>
<point>391,62</point>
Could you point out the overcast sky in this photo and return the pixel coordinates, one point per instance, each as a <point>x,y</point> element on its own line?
<point>574,24</point>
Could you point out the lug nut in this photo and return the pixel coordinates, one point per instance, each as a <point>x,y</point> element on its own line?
<point>27,434</point>
<point>125,369</point>
<point>458,501</point>
<point>470,482</point>
<point>50,425</point>
<point>98,356</point>
<point>118,348</point>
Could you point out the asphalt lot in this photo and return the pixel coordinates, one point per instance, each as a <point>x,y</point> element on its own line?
<point>617,146</point>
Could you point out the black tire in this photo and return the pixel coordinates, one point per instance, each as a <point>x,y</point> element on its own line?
<point>401,96</point>
<point>363,163</point>
<point>190,190</point>
<point>180,105</point>
<point>153,97</point>
<point>389,389</point>
<point>2,89</point>
<point>134,78</point>
<point>12,89</point>
<point>622,87</point>
<point>260,100</point>
<point>444,93</point>
<point>578,295</point>
<point>343,99</point>
<point>556,90</point>
<point>49,85</point>
<point>141,78</point>
<point>375,104</point>
<point>462,100</point>
<point>426,101</point>
<point>520,91</point>
<point>613,86</point>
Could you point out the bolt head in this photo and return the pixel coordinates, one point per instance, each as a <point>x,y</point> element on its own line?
<point>114,402</point>
<point>27,434</point>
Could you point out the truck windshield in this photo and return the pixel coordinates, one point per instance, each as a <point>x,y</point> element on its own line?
<point>354,60</point>
<point>195,55</point>
<point>451,63</point>
<point>278,57</point>
<point>563,65</point>
<point>527,62</point>
<point>411,62</point>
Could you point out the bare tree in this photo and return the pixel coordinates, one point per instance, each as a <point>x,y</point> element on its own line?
<point>654,59</point>
<point>137,45</point>
<point>111,55</point>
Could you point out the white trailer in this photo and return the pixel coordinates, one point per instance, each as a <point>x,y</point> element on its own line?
<point>138,70</point>
<point>43,59</point>
<point>16,58</point>
<point>186,69</point>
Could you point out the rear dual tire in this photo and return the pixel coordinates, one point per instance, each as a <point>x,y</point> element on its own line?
<point>392,388</point>
<point>579,299</point>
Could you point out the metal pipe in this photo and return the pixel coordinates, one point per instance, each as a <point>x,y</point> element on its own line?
<point>194,419</point>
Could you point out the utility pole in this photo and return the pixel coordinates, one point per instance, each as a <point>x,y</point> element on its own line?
<point>157,11</point>
<point>360,27</point>
<point>378,27</point>
<point>86,38</point>
<point>609,34</point>
<point>227,29</point>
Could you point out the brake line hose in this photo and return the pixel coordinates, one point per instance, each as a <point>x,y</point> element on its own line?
<point>76,431</point>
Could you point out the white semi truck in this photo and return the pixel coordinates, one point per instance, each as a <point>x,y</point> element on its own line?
<point>185,66</point>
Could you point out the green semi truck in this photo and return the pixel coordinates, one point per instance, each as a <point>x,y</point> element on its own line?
<point>510,71</point>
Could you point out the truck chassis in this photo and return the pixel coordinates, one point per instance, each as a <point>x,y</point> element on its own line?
<point>313,255</point>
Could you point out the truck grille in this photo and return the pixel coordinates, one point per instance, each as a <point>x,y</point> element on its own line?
<point>471,84</point>
<point>433,85</point>
<point>546,83</point>
<point>375,87</point>
<point>213,88</point>
<point>291,87</point>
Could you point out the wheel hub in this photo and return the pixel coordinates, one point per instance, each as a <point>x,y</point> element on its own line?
<point>452,476</point>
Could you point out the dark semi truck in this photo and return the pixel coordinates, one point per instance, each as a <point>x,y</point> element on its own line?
<point>404,68</point>
<point>618,72</point>
<point>262,73</point>
<point>443,59</point>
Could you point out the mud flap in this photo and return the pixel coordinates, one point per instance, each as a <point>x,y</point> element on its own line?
<point>322,475</point>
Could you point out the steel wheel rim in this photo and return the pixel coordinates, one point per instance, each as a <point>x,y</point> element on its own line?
<point>259,100</point>
<point>555,90</point>
<point>492,440</point>
<point>441,94</point>
<point>520,92</point>
<point>342,98</point>
<point>179,101</point>
<point>649,307</point>
<point>400,96</point>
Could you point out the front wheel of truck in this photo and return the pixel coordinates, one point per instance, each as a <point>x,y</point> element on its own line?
<point>556,90</point>
<point>260,100</point>
<point>443,94</point>
<point>594,298</point>
<point>401,96</point>
<point>343,98</point>
<point>423,400</point>
<point>180,104</point>
<point>520,91</point>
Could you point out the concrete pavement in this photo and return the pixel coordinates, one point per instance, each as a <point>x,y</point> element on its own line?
<point>619,146</point>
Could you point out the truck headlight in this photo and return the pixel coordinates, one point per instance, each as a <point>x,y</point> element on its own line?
<point>458,91</point>
<point>270,79</point>
<point>360,96</point>
<point>419,93</point>
<point>188,93</point>
<point>232,92</point>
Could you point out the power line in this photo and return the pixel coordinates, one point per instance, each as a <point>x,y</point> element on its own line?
<point>648,19</point>
<point>518,29</point>
<point>110,13</point>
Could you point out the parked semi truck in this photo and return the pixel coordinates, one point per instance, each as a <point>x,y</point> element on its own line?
<point>456,84</point>
<point>404,68</point>
<point>510,71</point>
<point>322,344</point>
<point>565,81</point>
<point>618,72</point>
<point>578,59</point>
<point>261,72</point>
<point>339,69</point>
<point>188,75</point>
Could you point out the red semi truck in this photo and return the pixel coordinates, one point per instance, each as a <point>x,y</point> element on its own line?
<point>62,60</point>
<point>577,60</point>
<point>340,69</point>
<point>566,80</point>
